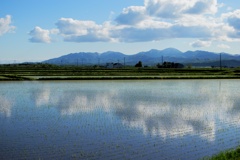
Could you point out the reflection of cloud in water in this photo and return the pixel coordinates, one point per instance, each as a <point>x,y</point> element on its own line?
<point>41,96</point>
<point>167,122</point>
<point>166,111</point>
<point>83,101</point>
<point>5,106</point>
<point>190,111</point>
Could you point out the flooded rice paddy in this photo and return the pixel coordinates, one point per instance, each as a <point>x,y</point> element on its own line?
<point>174,119</point>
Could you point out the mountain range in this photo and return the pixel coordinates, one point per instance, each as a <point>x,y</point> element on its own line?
<point>150,58</point>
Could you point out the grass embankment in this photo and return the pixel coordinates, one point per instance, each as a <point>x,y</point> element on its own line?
<point>53,72</point>
<point>228,155</point>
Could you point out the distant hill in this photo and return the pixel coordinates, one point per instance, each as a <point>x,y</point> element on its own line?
<point>151,57</point>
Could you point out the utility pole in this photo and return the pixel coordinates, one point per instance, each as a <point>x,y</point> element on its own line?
<point>124,62</point>
<point>220,60</point>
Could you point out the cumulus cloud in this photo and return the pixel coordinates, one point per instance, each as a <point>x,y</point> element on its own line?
<point>165,9</point>
<point>199,44</point>
<point>153,21</point>
<point>234,19</point>
<point>40,35</point>
<point>204,7</point>
<point>175,9</point>
<point>131,15</point>
<point>83,31</point>
<point>5,25</point>
<point>162,19</point>
<point>235,22</point>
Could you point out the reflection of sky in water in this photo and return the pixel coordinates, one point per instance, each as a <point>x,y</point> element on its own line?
<point>166,109</point>
<point>174,111</point>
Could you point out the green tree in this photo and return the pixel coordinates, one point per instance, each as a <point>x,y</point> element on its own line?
<point>139,64</point>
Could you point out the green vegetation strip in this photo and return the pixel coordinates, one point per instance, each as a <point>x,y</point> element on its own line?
<point>227,155</point>
<point>14,77</point>
<point>134,77</point>
<point>53,72</point>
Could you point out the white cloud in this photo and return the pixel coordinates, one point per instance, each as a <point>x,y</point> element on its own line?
<point>153,24</point>
<point>176,9</point>
<point>223,46</point>
<point>40,35</point>
<point>165,8</point>
<point>199,44</point>
<point>162,19</point>
<point>153,21</point>
<point>5,25</point>
<point>83,31</point>
<point>69,26</point>
<point>203,7</point>
<point>131,15</point>
<point>233,21</point>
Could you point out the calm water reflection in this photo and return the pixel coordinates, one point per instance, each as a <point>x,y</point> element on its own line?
<point>119,119</point>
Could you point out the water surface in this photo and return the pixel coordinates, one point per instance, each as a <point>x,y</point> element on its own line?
<point>176,119</point>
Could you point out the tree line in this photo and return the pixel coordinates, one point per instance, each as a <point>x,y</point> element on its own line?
<point>164,65</point>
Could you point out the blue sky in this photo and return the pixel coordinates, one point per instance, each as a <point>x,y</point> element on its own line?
<point>34,30</point>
